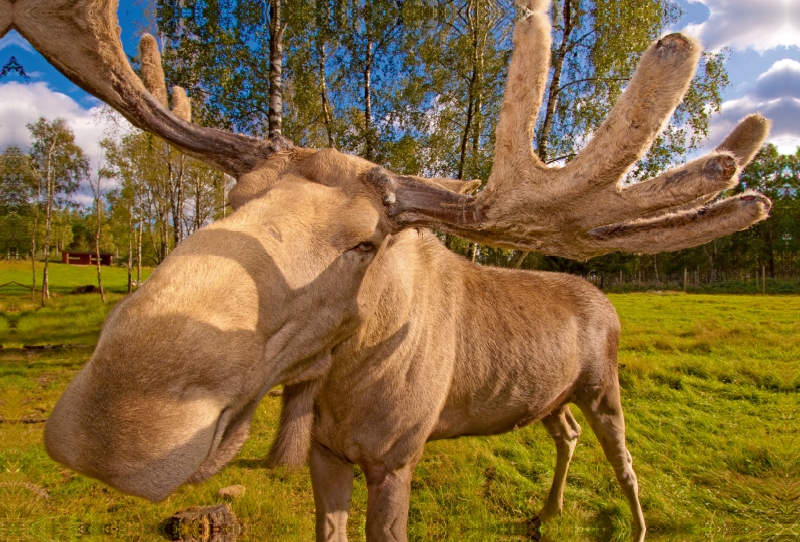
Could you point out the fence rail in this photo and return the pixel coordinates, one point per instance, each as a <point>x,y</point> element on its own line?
<point>756,281</point>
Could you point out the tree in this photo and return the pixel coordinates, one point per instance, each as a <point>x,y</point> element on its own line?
<point>222,53</point>
<point>18,189</point>
<point>61,166</point>
<point>96,185</point>
<point>772,243</point>
<point>596,46</point>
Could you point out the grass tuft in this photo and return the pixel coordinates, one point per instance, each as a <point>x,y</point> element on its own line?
<point>711,394</point>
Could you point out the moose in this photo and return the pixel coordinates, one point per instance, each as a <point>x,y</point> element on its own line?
<point>327,279</point>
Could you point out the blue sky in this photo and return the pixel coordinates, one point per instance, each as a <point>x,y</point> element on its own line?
<point>763,37</point>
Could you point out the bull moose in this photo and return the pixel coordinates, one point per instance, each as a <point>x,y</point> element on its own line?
<point>326,279</point>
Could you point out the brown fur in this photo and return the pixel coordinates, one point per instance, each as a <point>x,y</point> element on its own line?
<point>6,16</point>
<point>382,337</point>
<point>287,296</point>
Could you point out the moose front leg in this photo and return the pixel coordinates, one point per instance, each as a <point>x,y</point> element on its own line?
<point>332,480</point>
<point>388,494</point>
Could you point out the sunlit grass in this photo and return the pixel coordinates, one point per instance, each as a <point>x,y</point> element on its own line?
<point>711,390</point>
<point>63,278</point>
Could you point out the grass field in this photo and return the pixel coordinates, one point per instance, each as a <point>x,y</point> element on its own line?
<point>63,278</point>
<point>711,390</point>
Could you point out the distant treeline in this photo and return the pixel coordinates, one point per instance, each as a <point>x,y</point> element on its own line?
<point>415,86</point>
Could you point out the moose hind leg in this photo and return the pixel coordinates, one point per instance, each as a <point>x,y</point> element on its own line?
<point>332,481</point>
<point>565,432</point>
<point>604,413</point>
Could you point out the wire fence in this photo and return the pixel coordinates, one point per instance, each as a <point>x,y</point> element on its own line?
<point>753,281</point>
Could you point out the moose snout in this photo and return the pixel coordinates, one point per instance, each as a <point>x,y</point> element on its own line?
<point>143,452</point>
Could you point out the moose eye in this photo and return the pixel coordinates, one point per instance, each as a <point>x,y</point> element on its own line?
<point>364,247</point>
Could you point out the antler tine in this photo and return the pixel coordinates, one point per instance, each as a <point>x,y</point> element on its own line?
<point>527,77</point>
<point>657,87</point>
<point>152,70</point>
<point>677,231</point>
<point>155,82</point>
<point>581,211</point>
<point>81,39</point>
<point>746,139</point>
<point>181,105</point>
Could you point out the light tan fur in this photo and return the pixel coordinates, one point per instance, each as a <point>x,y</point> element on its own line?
<point>287,296</point>
<point>383,338</point>
<point>152,71</point>
<point>181,105</point>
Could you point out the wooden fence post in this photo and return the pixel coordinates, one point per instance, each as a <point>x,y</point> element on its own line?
<point>685,273</point>
<point>763,280</point>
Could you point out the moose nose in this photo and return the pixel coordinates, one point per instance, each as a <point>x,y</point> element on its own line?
<point>138,445</point>
<point>63,437</point>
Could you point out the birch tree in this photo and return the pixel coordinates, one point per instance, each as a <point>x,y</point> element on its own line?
<point>61,166</point>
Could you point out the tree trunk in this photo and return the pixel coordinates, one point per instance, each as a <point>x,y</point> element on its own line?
<point>131,234</point>
<point>655,266</point>
<point>164,230</point>
<point>198,220</point>
<point>139,252</point>
<point>327,114</point>
<point>465,135</point>
<point>97,239</point>
<point>33,255</point>
<point>771,249</point>
<point>176,199</point>
<point>368,60</point>
<point>478,115</point>
<point>323,21</point>
<point>555,83</point>
<point>368,143</point>
<point>48,210</point>
<point>97,254</point>
<point>517,259</point>
<point>276,28</point>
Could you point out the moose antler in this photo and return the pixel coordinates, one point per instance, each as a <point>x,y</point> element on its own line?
<point>577,211</point>
<point>582,210</point>
<point>81,39</point>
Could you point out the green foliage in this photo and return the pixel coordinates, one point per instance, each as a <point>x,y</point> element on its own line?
<point>60,163</point>
<point>710,391</point>
<point>416,86</point>
<point>225,42</point>
<point>18,190</point>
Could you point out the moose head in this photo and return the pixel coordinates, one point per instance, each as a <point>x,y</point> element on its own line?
<point>267,295</point>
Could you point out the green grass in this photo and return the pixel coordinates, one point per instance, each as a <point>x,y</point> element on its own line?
<point>711,390</point>
<point>63,278</point>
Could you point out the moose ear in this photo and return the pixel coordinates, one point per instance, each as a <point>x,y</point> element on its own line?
<point>459,187</point>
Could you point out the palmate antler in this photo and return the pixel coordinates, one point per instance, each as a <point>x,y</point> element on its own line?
<point>582,210</point>
<point>577,211</point>
<point>81,39</point>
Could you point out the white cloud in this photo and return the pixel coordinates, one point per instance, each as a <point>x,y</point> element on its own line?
<point>776,95</point>
<point>782,79</point>
<point>21,104</point>
<point>12,39</point>
<point>749,24</point>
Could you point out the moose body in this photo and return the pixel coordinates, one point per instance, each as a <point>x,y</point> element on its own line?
<point>451,349</point>
<point>326,280</point>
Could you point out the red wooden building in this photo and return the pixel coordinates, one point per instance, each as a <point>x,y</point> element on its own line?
<point>86,258</point>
